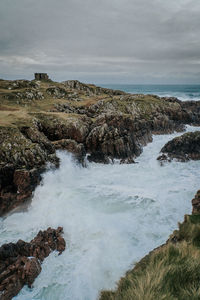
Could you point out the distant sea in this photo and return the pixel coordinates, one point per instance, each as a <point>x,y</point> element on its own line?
<point>182,92</point>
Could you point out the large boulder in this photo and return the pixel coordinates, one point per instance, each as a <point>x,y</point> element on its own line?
<point>182,148</point>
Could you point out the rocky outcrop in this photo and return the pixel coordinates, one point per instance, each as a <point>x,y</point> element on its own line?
<point>77,149</point>
<point>182,148</point>
<point>90,89</point>
<point>23,156</point>
<point>20,263</point>
<point>57,92</point>
<point>80,118</point>
<point>196,204</point>
<point>116,136</point>
<point>73,127</point>
<point>192,112</point>
<point>18,84</point>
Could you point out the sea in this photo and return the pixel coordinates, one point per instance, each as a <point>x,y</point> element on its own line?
<point>112,215</point>
<point>181,91</point>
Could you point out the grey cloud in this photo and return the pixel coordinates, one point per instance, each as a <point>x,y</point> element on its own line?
<point>101,40</point>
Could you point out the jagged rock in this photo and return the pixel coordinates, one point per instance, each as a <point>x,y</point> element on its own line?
<point>18,84</point>
<point>20,263</point>
<point>90,89</point>
<point>57,92</point>
<point>22,159</point>
<point>127,161</point>
<point>33,134</point>
<point>27,95</point>
<point>196,204</point>
<point>54,128</point>
<point>182,148</point>
<point>72,146</point>
<point>192,112</point>
<point>99,157</point>
<point>106,124</point>
<point>116,136</point>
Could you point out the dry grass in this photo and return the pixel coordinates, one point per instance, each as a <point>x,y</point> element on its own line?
<point>14,117</point>
<point>171,272</point>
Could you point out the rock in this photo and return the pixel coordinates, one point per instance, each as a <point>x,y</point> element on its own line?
<point>191,110</point>
<point>18,84</point>
<point>196,204</point>
<point>73,127</point>
<point>98,157</point>
<point>103,123</point>
<point>127,161</point>
<point>25,96</point>
<point>116,136</point>
<point>57,92</point>
<point>182,148</point>
<point>20,263</point>
<point>90,89</point>
<point>72,146</point>
<point>23,156</point>
<point>33,134</point>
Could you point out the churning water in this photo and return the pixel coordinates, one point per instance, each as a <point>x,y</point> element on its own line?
<point>112,216</point>
<point>180,91</point>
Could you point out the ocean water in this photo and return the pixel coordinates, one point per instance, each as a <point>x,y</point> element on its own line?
<point>182,92</point>
<point>112,216</point>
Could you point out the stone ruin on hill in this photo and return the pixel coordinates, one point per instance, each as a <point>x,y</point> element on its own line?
<point>41,76</point>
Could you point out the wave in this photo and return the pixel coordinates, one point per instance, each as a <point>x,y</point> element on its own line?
<point>112,216</point>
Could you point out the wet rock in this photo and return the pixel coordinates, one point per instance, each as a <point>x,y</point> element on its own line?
<point>20,263</point>
<point>191,110</point>
<point>18,188</point>
<point>127,161</point>
<point>72,146</point>
<point>23,156</point>
<point>107,124</point>
<point>183,148</point>
<point>116,136</point>
<point>196,204</point>
<point>99,157</point>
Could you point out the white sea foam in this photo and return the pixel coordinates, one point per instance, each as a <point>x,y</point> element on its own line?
<point>112,216</point>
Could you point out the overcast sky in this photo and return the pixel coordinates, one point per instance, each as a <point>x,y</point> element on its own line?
<point>101,41</point>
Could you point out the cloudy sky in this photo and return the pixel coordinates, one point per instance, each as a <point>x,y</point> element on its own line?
<point>101,41</point>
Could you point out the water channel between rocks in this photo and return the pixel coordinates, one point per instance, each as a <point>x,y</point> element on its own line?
<point>112,216</point>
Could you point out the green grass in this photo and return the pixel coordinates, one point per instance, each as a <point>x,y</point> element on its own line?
<point>171,272</point>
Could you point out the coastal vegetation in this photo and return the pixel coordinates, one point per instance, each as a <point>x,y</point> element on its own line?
<point>170,272</point>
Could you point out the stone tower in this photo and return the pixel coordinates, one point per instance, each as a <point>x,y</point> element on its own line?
<point>41,76</point>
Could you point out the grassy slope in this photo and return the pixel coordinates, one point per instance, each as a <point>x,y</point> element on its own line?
<point>170,272</point>
<point>14,111</point>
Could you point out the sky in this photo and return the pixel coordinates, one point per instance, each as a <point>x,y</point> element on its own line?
<point>101,41</point>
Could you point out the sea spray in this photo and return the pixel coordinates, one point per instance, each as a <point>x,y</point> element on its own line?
<point>112,216</point>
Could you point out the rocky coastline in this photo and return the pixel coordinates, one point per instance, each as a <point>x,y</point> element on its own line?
<point>170,271</point>
<point>40,117</point>
<point>183,148</point>
<point>20,263</point>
